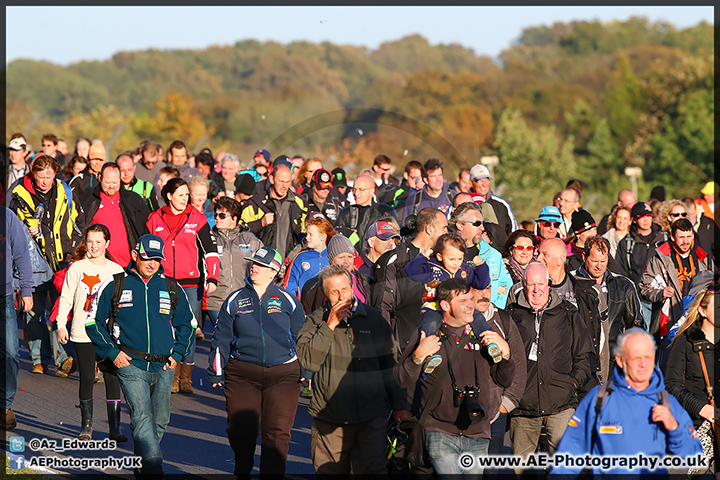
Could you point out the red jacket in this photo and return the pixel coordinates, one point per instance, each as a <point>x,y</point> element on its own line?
<point>58,280</point>
<point>186,247</point>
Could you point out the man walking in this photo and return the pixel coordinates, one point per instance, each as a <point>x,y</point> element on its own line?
<point>146,340</point>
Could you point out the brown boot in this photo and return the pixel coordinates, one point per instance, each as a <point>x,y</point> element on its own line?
<point>176,379</point>
<point>186,377</point>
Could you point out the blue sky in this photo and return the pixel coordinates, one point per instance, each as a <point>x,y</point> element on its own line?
<point>96,33</point>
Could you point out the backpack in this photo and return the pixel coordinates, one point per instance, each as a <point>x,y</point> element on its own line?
<point>119,283</point>
<point>605,390</point>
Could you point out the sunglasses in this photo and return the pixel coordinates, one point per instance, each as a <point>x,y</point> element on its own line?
<point>521,248</point>
<point>476,223</point>
<point>221,216</point>
<point>676,215</point>
<point>550,224</point>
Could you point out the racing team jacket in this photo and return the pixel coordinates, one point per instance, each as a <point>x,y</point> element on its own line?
<point>255,330</point>
<point>184,247</point>
<point>145,320</point>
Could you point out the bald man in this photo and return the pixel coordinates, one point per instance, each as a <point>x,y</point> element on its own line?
<point>624,198</point>
<point>277,216</point>
<point>354,220</point>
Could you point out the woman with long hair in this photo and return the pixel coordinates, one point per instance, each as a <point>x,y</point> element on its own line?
<point>620,220</point>
<point>188,240</point>
<point>91,266</point>
<point>672,210</point>
<point>684,376</point>
<point>76,165</point>
<point>308,169</point>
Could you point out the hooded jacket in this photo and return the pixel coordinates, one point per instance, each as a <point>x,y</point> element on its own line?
<point>633,252</point>
<point>660,266</point>
<point>565,356</point>
<point>353,366</point>
<point>145,321</point>
<point>234,247</point>
<point>261,331</point>
<point>626,416</point>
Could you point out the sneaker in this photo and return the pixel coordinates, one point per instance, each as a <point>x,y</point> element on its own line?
<point>431,364</point>
<point>7,418</point>
<point>495,352</point>
<point>39,368</point>
<point>67,367</point>
<point>199,335</point>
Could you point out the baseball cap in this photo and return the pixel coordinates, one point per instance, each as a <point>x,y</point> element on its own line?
<point>339,177</point>
<point>322,179</point>
<point>709,188</point>
<point>582,221</point>
<point>97,150</point>
<point>478,172</point>
<point>16,144</point>
<point>267,257</point>
<point>550,214</point>
<point>383,230</point>
<point>245,183</point>
<point>640,209</point>
<point>150,247</point>
<point>264,153</point>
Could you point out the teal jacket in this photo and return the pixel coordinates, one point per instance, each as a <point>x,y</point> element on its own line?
<point>145,320</point>
<point>500,279</point>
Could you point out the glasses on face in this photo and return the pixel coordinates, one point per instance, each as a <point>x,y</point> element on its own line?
<point>476,223</point>
<point>676,215</point>
<point>523,248</point>
<point>221,216</point>
<point>550,224</point>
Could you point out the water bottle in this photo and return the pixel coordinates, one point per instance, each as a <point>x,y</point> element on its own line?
<point>39,212</point>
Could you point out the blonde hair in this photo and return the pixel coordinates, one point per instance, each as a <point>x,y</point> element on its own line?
<point>702,299</point>
<point>663,220</point>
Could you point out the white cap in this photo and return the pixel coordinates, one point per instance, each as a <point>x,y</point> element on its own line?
<point>478,172</point>
<point>16,144</point>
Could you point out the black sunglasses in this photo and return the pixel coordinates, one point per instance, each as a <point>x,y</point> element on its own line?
<point>476,223</point>
<point>683,214</point>
<point>221,216</point>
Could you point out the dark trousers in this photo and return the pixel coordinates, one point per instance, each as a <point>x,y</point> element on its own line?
<point>86,368</point>
<point>497,435</point>
<point>261,401</point>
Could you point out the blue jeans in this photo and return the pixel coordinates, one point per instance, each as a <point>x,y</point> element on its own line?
<point>646,308</point>
<point>41,335</point>
<point>213,314</point>
<point>194,296</point>
<point>9,344</point>
<point>445,451</point>
<point>148,398</point>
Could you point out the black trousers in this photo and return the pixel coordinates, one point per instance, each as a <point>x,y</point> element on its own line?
<point>86,370</point>
<point>261,401</point>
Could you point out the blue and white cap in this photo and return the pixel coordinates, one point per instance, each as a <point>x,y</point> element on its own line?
<point>150,247</point>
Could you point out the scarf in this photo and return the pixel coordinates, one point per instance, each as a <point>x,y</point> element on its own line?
<point>684,274</point>
<point>516,271</point>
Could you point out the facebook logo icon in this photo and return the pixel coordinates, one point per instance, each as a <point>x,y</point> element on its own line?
<point>17,444</point>
<point>18,463</point>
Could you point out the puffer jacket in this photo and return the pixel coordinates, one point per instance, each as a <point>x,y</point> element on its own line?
<point>354,363</point>
<point>234,247</point>
<point>565,356</point>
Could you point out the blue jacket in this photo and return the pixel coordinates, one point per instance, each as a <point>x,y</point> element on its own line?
<point>253,330</point>
<point>626,416</point>
<point>302,268</point>
<point>500,278</point>
<point>145,320</point>
<point>16,254</point>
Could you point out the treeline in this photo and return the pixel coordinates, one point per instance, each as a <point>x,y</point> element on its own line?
<point>576,100</point>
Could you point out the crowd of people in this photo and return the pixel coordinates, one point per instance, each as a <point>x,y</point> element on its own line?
<point>379,298</point>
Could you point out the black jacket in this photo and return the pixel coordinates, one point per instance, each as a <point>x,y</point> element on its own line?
<point>349,225</point>
<point>633,253</point>
<point>334,203</point>
<point>683,374</point>
<point>133,207</point>
<point>396,296</point>
<point>84,180</point>
<point>623,311</point>
<point>706,234</point>
<point>565,356</point>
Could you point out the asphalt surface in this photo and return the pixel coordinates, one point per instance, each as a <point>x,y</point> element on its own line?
<point>195,442</point>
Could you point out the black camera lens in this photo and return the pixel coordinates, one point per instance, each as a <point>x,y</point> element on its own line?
<point>472,404</point>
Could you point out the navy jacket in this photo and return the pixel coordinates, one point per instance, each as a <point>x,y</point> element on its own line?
<point>258,331</point>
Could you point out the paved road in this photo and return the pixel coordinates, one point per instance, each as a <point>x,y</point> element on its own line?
<point>195,442</point>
